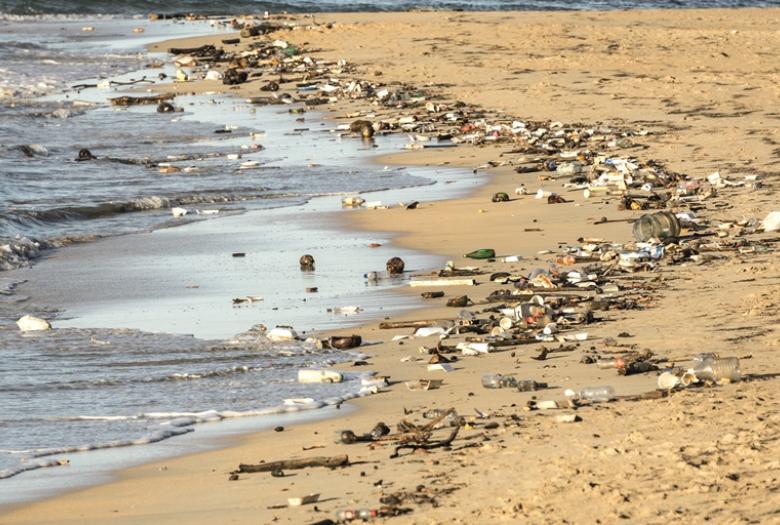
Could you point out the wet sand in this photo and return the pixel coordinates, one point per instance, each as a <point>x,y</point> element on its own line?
<point>699,454</point>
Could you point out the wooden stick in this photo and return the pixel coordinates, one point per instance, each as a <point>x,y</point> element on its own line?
<point>293,464</point>
<point>389,325</point>
<point>443,282</point>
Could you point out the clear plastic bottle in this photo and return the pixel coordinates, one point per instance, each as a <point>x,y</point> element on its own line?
<point>615,362</point>
<point>498,381</point>
<point>718,369</point>
<point>529,385</point>
<point>597,394</point>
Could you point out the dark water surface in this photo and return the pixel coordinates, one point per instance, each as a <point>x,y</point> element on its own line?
<point>247,6</point>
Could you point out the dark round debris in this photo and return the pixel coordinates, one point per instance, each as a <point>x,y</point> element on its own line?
<point>395,266</point>
<point>306,262</point>
<point>362,127</point>
<point>85,154</point>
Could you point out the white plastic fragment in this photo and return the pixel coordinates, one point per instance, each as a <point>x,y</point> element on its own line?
<point>771,222</point>
<point>29,323</point>
<point>443,367</point>
<point>667,381</point>
<point>214,75</point>
<point>427,331</point>
<point>305,500</point>
<point>282,333</point>
<point>345,310</point>
<point>319,376</point>
<point>474,348</point>
<point>352,201</point>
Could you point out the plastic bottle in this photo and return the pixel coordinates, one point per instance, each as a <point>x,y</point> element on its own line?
<point>597,393</point>
<point>700,358</point>
<point>498,381</point>
<point>616,362</point>
<point>718,369</point>
<point>529,385</point>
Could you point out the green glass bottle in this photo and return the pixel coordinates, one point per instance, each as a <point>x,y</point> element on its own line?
<point>482,253</point>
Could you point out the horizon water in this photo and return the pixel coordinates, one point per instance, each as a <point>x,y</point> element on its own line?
<point>143,7</point>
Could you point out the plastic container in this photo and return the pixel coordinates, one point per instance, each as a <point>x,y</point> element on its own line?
<point>719,369</point>
<point>597,394</point>
<point>498,381</point>
<point>668,381</point>
<point>661,225</point>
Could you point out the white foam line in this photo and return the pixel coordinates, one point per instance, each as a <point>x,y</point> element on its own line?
<point>154,437</point>
<point>43,463</point>
<point>179,423</point>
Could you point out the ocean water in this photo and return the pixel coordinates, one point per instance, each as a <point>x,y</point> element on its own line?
<point>34,7</point>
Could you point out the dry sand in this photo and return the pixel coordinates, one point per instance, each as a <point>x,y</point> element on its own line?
<point>707,82</point>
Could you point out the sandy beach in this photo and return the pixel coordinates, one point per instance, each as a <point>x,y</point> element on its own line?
<point>699,90</point>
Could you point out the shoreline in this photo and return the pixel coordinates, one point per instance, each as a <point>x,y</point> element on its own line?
<point>649,326</point>
<point>82,312</point>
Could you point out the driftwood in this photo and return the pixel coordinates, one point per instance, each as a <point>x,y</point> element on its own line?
<point>418,438</point>
<point>206,49</point>
<point>389,325</point>
<point>294,464</point>
<point>137,101</point>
